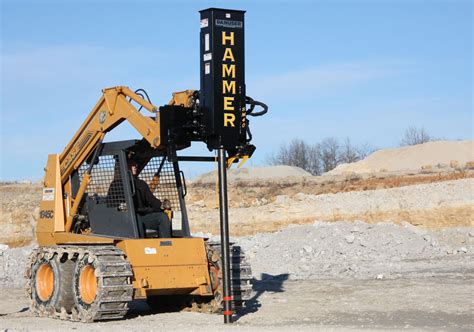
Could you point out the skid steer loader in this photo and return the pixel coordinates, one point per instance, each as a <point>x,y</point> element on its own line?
<point>95,254</point>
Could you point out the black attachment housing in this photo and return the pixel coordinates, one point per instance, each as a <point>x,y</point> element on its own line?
<point>222,62</point>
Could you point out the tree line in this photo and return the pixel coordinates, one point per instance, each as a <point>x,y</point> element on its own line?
<point>323,156</point>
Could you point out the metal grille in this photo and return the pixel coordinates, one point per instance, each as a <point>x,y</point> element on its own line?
<point>105,183</point>
<point>162,184</point>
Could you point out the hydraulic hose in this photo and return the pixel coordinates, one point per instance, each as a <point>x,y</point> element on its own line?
<point>254,103</point>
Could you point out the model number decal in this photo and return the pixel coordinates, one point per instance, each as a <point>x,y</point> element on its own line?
<point>46,214</point>
<point>48,194</point>
<point>150,251</point>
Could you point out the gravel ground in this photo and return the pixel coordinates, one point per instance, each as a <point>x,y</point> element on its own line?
<point>12,265</point>
<point>329,276</point>
<point>360,251</point>
<point>306,305</point>
<point>354,250</point>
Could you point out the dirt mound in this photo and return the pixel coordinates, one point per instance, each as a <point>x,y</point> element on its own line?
<point>358,250</point>
<point>432,206</point>
<point>427,155</point>
<point>270,173</point>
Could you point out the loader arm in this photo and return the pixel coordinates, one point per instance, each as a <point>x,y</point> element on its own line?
<point>112,109</point>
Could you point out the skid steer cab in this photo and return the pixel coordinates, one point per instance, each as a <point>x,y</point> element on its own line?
<point>119,203</point>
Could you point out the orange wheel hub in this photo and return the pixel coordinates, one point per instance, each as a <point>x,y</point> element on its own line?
<point>45,282</point>
<point>214,272</point>
<point>88,284</point>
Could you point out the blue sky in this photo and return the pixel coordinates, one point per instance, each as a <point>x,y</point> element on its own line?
<point>359,69</point>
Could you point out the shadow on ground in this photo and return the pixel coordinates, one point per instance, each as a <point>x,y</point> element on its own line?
<point>266,283</point>
<point>15,312</point>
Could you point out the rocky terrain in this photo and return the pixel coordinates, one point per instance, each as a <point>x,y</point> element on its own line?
<point>19,210</point>
<point>386,249</point>
<point>360,251</point>
<point>338,275</point>
<point>328,250</point>
<point>429,198</point>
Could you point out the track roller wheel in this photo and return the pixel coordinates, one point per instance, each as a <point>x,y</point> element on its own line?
<point>85,288</point>
<point>101,286</point>
<point>87,284</point>
<point>241,277</point>
<point>49,284</point>
<point>44,281</point>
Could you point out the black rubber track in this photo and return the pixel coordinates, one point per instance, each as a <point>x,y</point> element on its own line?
<point>113,273</point>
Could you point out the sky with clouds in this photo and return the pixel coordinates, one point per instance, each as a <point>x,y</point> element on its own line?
<point>360,69</point>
